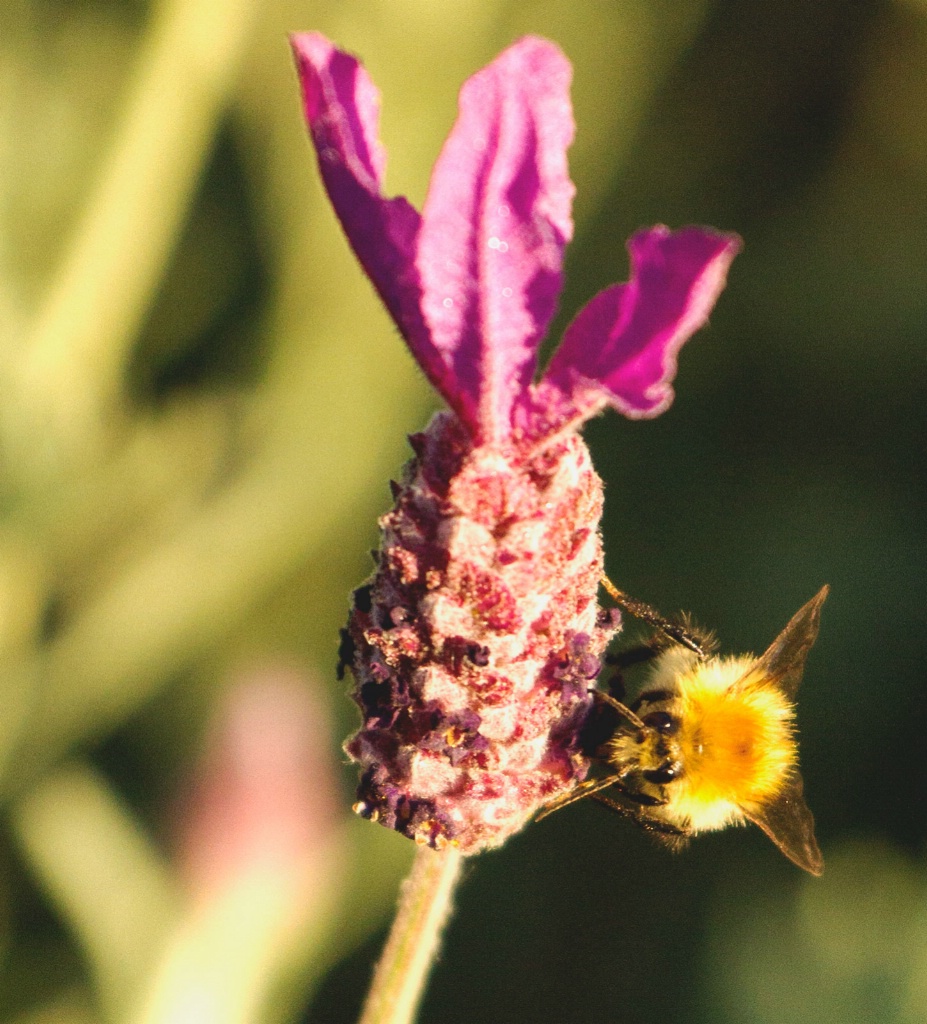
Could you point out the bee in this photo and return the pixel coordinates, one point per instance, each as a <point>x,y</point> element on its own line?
<point>710,742</point>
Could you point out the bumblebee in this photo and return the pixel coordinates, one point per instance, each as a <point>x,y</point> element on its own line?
<point>710,742</point>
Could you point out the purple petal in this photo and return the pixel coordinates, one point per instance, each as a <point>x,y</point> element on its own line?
<point>342,108</point>
<point>621,348</point>
<point>494,228</point>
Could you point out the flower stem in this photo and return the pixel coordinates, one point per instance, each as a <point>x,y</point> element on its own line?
<point>424,906</point>
<point>70,377</point>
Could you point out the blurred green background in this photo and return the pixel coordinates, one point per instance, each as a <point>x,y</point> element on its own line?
<point>202,404</point>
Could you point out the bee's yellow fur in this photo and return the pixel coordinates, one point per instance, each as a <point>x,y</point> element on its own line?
<point>736,740</point>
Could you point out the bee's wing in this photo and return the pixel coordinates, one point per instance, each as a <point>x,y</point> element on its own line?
<point>784,660</point>
<point>790,825</point>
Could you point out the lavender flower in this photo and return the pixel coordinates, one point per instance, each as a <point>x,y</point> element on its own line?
<point>476,641</point>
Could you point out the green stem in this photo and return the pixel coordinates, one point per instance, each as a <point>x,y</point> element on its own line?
<point>424,906</point>
<point>71,372</point>
<point>102,875</point>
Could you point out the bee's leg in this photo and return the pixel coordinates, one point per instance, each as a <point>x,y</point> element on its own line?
<point>643,799</point>
<point>663,828</point>
<point>652,697</point>
<point>618,808</point>
<point>644,821</point>
<point>623,660</point>
<point>616,687</point>
<point>588,788</point>
<point>632,656</point>
<point>679,632</point>
<point>606,714</point>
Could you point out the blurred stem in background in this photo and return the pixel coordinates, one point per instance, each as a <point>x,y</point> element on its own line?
<point>103,875</point>
<point>67,383</point>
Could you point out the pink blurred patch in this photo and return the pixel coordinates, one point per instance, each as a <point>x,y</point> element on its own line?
<point>264,794</point>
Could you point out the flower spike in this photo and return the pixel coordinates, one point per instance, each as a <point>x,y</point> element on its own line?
<point>475,643</point>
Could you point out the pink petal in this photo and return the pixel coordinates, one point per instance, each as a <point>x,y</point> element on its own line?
<point>342,108</point>
<point>621,348</point>
<point>494,228</point>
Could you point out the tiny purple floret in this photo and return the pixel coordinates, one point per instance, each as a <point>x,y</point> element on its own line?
<point>474,643</point>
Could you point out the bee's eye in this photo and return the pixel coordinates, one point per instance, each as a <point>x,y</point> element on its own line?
<point>662,721</point>
<point>667,771</point>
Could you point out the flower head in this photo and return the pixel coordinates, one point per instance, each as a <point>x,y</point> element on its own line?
<point>476,641</point>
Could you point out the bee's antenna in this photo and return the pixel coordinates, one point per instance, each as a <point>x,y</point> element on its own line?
<point>622,709</point>
<point>679,632</point>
